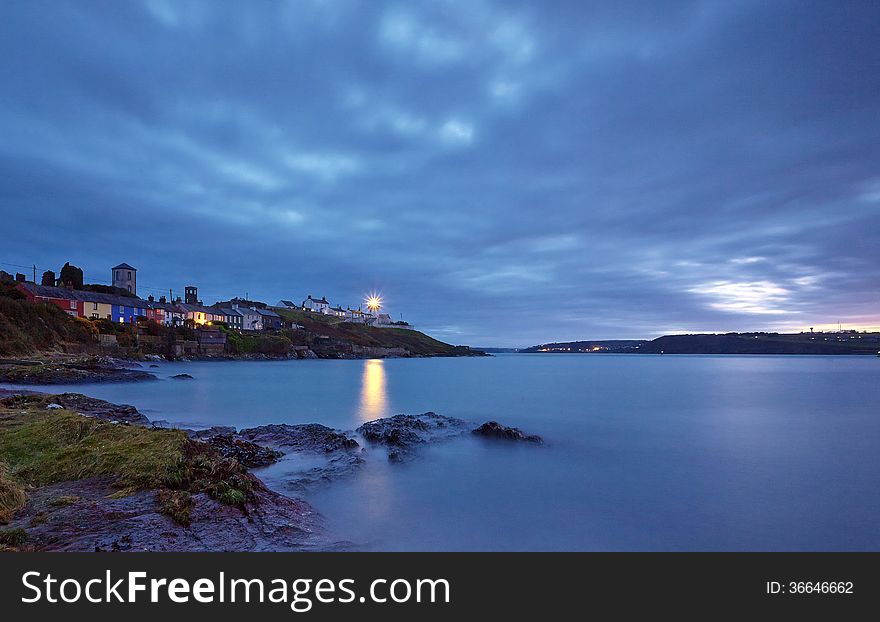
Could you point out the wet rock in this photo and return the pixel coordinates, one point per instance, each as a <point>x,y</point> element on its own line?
<point>97,370</point>
<point>247,453</point>
<point>214,430</point>
<point>100,409</point>
<point>154,366</point>
<point>303,437</point>
<point>268,522</point>
<point>403,433</point>
<point>493,429</point>
<point>338,465</point>
<point>182,377</point>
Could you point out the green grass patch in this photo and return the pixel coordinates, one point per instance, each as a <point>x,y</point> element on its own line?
<point>13,537</point>
<point>52,446</point>
<point>40,447</point>
<point>12,495</point>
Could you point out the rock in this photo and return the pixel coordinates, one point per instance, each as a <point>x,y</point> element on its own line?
<point>54,407</point>
<point>154,366</point>
<point>339,465</point>
<point>153,357</point>
<point>493,429</point>
<point>78,372</point>
<point>403,433</point>
<point>100,409</point>
<point>247,453</point>
<point>303,437</point>
<point>96,522</point>
<point>214,430</point>
<point>182,377</point>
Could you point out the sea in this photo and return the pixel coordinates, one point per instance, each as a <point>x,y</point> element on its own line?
<point>641,452</point>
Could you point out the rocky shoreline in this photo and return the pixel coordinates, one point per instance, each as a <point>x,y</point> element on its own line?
<point>93,514</point>
<point>66,369</point>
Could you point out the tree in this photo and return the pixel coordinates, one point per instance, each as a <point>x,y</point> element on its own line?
<point>71,276</point>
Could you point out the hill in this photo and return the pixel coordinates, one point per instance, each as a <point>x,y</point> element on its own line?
<point>607,346</point>
<point>728,343</point>
<point>322,332</point>
<point>765,343</point>
<point>27,329</point>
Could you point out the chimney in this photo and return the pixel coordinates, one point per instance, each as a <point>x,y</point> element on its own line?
<point>162,299</point>
<point>150,298</point>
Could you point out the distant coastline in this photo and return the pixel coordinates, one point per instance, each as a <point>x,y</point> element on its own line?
<point>843,342</point>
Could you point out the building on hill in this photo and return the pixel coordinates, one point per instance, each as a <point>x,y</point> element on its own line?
<point>124,277</point>
<point>232,317</point>
<point>200,315</point>
<point>287,304</point>
<point>191,295</point>
<point>315,304</point>
<point>88,304</point>
<point>356,316</point>
<point>270,319</point>
<point>334,311</point>
<point>251,320</point>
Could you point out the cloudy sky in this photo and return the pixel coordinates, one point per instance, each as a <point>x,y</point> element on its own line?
<point>505,173</point>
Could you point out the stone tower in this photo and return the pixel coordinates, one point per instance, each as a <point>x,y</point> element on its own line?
<point>125,277</point>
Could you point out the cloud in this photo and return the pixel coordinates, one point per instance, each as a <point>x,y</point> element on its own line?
<point>643,168</point>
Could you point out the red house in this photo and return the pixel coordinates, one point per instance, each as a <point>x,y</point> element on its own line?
<point>52,295</point>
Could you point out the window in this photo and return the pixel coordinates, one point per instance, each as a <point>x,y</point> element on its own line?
<point>129,276</point>
<point>129,288</point>
<point>94,306</point>
<point>117,275</point>
<point>73,304</point>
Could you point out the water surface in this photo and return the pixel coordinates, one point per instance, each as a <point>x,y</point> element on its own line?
<point>644,452</point>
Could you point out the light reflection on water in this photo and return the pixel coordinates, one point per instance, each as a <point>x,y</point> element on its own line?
<point>374,396</point>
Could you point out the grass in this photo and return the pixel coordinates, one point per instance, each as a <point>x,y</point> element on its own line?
<point>362,335</point>
<point>13,537</point>
<point>27,328</point>
<point>12,495</point>
<point>39,447</point>
<point>59,445</point>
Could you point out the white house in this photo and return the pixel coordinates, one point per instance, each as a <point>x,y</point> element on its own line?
<point>315,304</point>
<point>334,311</point>
<point>251,320</point>
<point>357,316</point>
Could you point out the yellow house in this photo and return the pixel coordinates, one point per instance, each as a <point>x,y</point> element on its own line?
<point>97,310</point>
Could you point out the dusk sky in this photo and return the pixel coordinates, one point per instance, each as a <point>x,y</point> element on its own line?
<point>504,173</point>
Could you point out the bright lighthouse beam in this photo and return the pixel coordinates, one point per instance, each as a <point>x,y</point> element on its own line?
<point>374,302</point>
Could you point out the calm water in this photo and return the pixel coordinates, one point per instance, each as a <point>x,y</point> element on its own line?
<point>644,453</point>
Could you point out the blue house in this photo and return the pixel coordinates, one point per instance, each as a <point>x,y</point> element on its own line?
<point>129,313</point>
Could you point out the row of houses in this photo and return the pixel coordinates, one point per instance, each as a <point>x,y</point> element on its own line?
<point>119,303</point>
<point>322,305</point>
<point>127,309</point>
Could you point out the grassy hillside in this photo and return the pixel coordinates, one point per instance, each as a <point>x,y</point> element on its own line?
<point>765,343</point>
<point>321,326</point>
<point>26,328</point>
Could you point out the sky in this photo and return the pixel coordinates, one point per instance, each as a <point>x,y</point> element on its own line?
<point>504,173</point>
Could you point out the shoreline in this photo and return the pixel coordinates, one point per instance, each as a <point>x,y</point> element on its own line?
<point>122,504</point>
<point>69,369</point>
